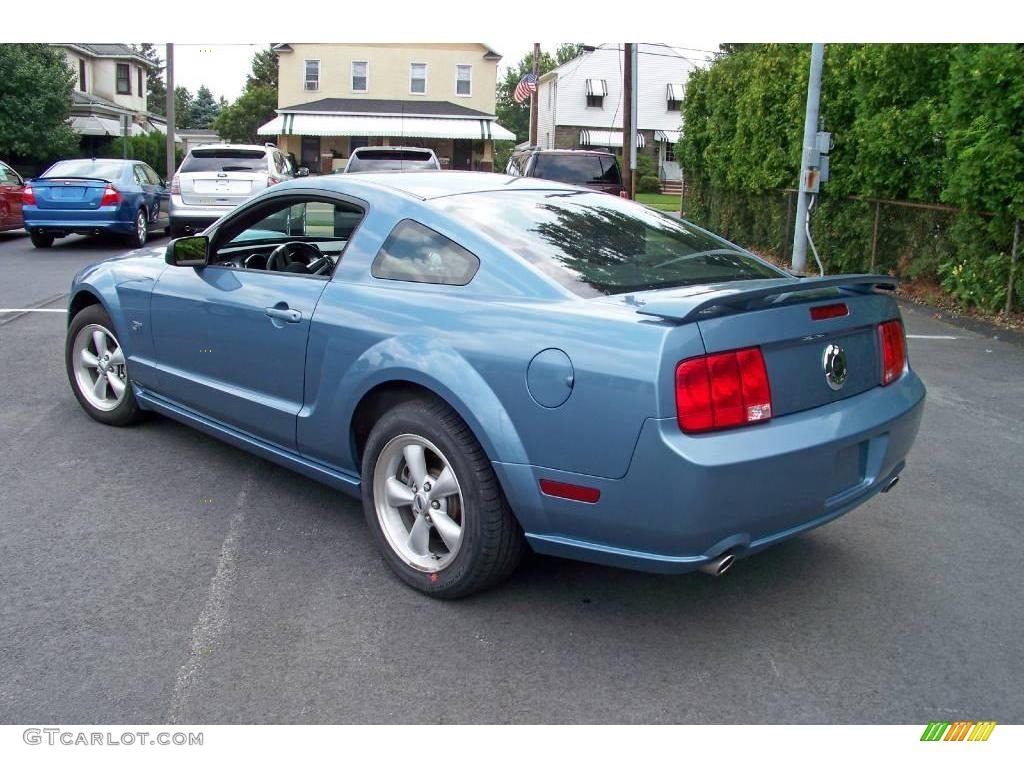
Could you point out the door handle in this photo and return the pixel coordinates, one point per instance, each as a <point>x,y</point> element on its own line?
<point>279,313</point>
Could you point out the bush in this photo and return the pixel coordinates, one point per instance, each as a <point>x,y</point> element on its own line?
<point>150,148</point>
<point>647,184</point>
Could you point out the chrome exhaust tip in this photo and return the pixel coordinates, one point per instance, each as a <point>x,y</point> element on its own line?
<point>719,565</point>
<point>891,484</point>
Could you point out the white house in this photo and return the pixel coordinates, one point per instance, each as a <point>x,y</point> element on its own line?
<point>580,103</point>
<point>110,86</point>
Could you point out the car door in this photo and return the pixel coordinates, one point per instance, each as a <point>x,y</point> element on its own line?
<point>11,187</point>
<point>230,339</point>
<point>150,197</point>
<point>161,197</point>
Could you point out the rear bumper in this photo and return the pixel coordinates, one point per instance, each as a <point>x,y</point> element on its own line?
<point>197,216</point>
<point>59,222</point>
<point>687,499</point>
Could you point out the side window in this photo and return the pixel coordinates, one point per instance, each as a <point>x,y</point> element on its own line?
<point>140,175</point>
<point>325,223</point>
<point>417,254</point>
<point>4,176</point>
<point>153,176</point>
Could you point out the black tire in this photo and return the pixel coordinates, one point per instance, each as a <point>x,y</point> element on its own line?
<point>167,230</point>
<point>41,239</point>
<point>127,411</point>
<point>140,233</point>
<point>493,542</point>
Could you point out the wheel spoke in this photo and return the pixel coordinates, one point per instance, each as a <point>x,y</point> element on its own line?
<point>99,388</point>
<point>99,340</point>
<point>450,531</point>
<point>445,485</point>
<point>117,357</point>
<point>89,358</point>
<point>416,460</point>
<point>419,536</point>
<point>397,493</point>
<point>115,383</point>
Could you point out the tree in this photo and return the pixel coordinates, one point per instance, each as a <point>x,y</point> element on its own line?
<point>253,108</point>
<point>36,84</point>
<point>182,107</point>
<point>156,98</point>
<point>204,108</point>
<point>264,69</point>
<point>514,116</point>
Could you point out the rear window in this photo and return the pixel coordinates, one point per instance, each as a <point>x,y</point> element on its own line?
<point>596,244</point>
<point>389,160</point>
<point>87,169</point>
<point>206,160</point>
<point>577,169</point>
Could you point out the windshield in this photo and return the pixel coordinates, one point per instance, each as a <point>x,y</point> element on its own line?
<point>578,169</point>
<point>390,160</point>
<point>595,244</point>
<point>206,160</point>
<point>89,169</point>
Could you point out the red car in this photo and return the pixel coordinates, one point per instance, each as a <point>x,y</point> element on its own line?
<point>11,185</point>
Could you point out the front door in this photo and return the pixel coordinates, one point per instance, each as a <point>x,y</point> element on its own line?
<point>230,337</point>
<point>311,153</point>
<point>462,154</point>
<point>10,197</point>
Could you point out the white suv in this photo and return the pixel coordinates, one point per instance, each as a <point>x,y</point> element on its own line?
<point>214,178</point>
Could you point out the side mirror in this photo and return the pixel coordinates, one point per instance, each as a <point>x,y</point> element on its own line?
<point>191,251</point>
<point>303,171</point>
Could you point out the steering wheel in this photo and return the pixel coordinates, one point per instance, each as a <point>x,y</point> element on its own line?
<point>293,256</point>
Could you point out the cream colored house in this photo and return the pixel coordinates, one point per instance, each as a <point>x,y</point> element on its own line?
<point>335,97</point>
<point>110,88</point>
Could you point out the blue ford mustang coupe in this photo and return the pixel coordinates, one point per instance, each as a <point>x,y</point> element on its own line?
<point>493,362</point>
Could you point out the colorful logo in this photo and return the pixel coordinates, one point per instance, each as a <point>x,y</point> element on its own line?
<point>960,730</point>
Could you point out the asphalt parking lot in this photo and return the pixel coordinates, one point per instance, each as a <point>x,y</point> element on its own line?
<point>154,574</point>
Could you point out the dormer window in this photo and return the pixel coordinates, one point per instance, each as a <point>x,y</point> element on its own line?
<point>124,79</point>
<point>596,91</point>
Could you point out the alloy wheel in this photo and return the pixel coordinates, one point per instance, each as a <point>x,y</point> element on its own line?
<point>99,366</point>
<point>419,502</point>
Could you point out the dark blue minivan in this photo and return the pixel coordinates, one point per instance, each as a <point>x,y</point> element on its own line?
<point>92,196</point>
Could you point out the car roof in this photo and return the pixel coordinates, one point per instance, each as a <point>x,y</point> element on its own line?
<point>225,145</point>
<point>538,151</point>
<point>393,149</point>
<point>427,185</point>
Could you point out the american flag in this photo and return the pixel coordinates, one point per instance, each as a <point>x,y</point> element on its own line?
<point>526,86</point>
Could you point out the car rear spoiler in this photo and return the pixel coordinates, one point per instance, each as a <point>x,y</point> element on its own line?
<point>726,296</point>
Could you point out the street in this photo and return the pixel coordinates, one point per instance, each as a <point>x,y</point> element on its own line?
<point>154,574</point>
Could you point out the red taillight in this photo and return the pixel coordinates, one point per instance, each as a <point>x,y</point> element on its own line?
<point>175,185</point>
<point>723,390</point>
<point>828,311</point>
<point>570,491</point>
<point>28,196</point>
<point>271,181</point>
<point>110,196</point>
<point>894,350</point>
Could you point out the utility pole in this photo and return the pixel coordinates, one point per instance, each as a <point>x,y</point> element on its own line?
<point>628,143</point>
<point>808,177</point>
<point>170,112</point>
<point>533,95</point>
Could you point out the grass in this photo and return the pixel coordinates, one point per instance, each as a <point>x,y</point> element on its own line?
<point>661,202</point>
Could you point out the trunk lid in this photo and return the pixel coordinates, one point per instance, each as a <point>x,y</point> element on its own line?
<point>55,193</point>
<point>782,317</point>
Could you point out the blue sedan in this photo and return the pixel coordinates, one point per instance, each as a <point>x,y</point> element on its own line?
<point>493,363</point>
<point>93,196</point>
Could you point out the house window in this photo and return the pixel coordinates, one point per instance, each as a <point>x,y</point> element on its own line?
<point>593,100</point>
<point>312,75</point>
<point>418,78</point>
<point>674,96</point>
<point>81,75</point>
<point>139,81</point>
<point>596,91</point>
<point>360,76</point>
<point>124,79</point>
<point>463,80</point>
<point>670,152</point>
<point>673,105</point>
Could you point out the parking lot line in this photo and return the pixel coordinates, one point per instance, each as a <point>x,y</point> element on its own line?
<point>33,310</point>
